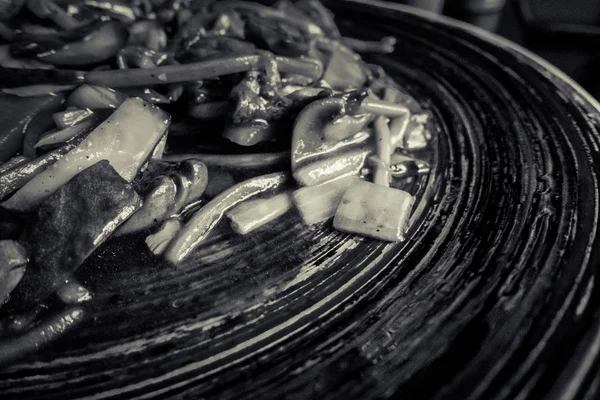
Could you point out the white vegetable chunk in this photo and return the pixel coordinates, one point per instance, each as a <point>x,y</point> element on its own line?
<point>125,139</point>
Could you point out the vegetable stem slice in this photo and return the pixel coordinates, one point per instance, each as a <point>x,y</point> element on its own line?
<point>384,150</point>
<point>196,71</point>
<point>318,203</point>
<point>347,163</point>
<point>250,160</point>
<point>18,176</point>
<point>253,214</point>
<point>12,163</point>
<point>40,335</point>
<point>384,108</point>
<point>374,210</point>
<point>125,139</point>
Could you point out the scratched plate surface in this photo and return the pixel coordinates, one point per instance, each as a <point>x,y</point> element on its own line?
<point>493,295</point>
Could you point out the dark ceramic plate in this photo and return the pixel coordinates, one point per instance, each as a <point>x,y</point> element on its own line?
<point>493,296</point>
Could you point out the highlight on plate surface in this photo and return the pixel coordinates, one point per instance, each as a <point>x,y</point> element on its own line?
<point>168,119</point>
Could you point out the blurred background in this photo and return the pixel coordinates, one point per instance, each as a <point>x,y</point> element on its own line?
<point>564,32</point>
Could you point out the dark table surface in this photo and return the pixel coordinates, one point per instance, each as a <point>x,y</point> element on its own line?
<point>577,55</point>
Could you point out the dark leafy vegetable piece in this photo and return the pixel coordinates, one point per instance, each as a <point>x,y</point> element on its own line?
<point>8,61</point>
<point>69,226</point>
<point>195,24</point>
<point>207,24</point>
<point>209,90</point>
<point>228,24</point>
<point>17,113</point>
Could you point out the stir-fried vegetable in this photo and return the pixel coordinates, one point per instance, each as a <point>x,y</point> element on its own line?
<point>126,139</point>
<point>16,177</point>
<point>40,335</point>
<point>196,71</point>
<point>319,202</point>
<point>375,209</point>
<point>236,161</point>
<point>72,292</point>
<point>96,98</point>
<point>12,163</point>
<point>202,223</point>
<point>13,259</point>
<point>49,9</point>
<point>347,163</point>
<point>253,214</point>
<point>157,202</point>
<point>251,89</point>
<point>68,133</point>
<point>15,118</point>
<point>59,243</point>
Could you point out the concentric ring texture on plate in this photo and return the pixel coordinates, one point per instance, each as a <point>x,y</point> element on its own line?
<point>493,296</point>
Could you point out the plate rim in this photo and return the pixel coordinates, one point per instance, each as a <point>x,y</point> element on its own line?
<point>487,36</point>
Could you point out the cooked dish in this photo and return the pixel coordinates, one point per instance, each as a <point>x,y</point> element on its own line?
<point>167,118</point>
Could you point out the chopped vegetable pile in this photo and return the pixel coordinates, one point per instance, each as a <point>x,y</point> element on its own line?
<point>164,118</point>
